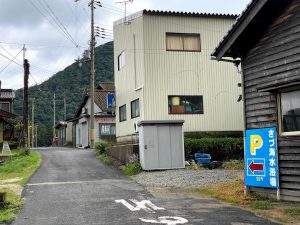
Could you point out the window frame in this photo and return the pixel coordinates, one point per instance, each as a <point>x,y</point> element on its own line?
<point>183,35</point>
<point>131,106</point>
<point>121,58</point>
<point>120,118</point>
<point>6,103</point>
<point>279,109</point>
<point>110,129</point>
<point>185,113</point>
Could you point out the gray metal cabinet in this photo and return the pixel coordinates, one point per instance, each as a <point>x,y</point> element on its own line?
<point>161,144</point>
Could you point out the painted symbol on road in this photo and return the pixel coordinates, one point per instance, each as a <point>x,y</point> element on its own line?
<point>149,207</point>
<point>256,167</point>
<point>168,220</point>
<point>146,205</point>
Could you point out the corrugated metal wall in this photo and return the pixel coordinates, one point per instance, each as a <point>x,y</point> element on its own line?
<point>275,59</point>
<point>191,73</point>
<point>160,73</point>
<point>130,79</point>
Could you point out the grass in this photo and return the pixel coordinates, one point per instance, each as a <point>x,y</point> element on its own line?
<point>132,168</point>
<point>13,204</point>
<point>104,159</point>
<point>20,166</point>
<point>234,165</point>
<point>233,193</point>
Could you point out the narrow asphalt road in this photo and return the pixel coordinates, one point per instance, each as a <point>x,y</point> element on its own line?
<point>73,188</point>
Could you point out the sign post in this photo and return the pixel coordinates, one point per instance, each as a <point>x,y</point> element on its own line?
<point>261,158</point>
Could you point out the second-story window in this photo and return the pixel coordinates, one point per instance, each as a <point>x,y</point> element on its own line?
<point>121,60</point>
<point>183,42</point>
<point>5,106</point>
<point>135,108</point>
<point>122,113</point>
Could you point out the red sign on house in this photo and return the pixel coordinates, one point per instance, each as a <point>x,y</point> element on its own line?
<point>105,120</point>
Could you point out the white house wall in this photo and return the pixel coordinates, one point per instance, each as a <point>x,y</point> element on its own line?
<point>191,73</point>
<point>161,73</point>
<point>130,79</point>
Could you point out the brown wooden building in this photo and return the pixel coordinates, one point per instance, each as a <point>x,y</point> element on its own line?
<point>266,39</point>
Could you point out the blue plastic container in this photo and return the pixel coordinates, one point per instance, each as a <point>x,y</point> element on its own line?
<point>202,158</point>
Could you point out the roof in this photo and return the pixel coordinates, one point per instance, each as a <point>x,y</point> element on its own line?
<point>100,97</point>
<point>108,86</point>
<point>7,94</point>
<point>100,100</point>
<point>5,114</point>
<point>174,13</point>
<point>249,27</point>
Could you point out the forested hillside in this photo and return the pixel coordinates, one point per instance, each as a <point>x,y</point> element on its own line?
<point>69,84</point>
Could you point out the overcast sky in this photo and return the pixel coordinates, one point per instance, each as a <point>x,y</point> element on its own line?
<point>55,32</point>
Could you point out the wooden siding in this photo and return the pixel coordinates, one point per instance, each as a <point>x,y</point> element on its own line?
<point>275,60</point>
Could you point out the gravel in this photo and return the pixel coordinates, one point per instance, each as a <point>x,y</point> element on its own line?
<point>185,177</point>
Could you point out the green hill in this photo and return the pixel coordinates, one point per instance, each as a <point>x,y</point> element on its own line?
<point>69,84</point>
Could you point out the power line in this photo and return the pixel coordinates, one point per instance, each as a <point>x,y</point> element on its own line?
<point>12,60</point>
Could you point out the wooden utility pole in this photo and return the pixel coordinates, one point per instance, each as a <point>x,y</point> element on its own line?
<point>54,135</point>
<point>25,103</point>
<point>32,121</point>
<point>92,81</point>
<point>65,109</point>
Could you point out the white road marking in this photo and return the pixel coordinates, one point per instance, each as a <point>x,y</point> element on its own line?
<point>61,183</point>
<point>140,205</point>
<point>168,220</point>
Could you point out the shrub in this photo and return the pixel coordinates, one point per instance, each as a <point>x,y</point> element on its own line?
<point>101,145</point>
<point>220,149</point>
<point>132,168</point>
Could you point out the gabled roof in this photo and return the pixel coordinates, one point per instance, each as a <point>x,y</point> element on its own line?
<point>7,94</point>
<point>100,97</point>
<point>106,86</point>
<point>173,13</point>
<point>5,114</point>
<point>249,27</point>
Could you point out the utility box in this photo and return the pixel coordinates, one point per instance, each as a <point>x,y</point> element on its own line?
<point>161,144</point>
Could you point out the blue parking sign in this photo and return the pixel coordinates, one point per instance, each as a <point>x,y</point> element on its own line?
<point>261,160</point>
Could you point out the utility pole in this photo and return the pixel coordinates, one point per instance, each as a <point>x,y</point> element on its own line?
<point>32,120</point>
<point>125,4</point>
<point>92,81</point>
<point>65,109</point>
<point>36,128</point>
<point>54,135</point>
<point>25,102</point>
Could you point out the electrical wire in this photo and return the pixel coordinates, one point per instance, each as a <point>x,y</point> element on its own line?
<point>12,60</point>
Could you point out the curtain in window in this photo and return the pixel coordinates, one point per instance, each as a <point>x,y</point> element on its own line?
<point>174,42</point>
<point>191,43</point>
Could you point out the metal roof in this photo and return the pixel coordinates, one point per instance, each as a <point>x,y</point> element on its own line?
<point>7,94</point>
<point>172,13</point>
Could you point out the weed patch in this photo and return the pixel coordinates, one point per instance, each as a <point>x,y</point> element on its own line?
<point>105,159</point>
<point>292,211</point>
<point>14,174</point>
<point>132,168</point>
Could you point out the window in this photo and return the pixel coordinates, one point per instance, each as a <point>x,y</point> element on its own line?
<point>121,60</point>
<point>135,108</point>
<point>122,113</point>
<point>290,111</point>
<point>183,42</point>
<point>107,129</point>
<point>185,104</point>
<point>5,106</point>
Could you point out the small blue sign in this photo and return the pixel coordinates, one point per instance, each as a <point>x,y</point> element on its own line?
<point>261,160</point>
<point>110,100</point>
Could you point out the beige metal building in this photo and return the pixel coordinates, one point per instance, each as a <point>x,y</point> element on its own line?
<point>163,71</point>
